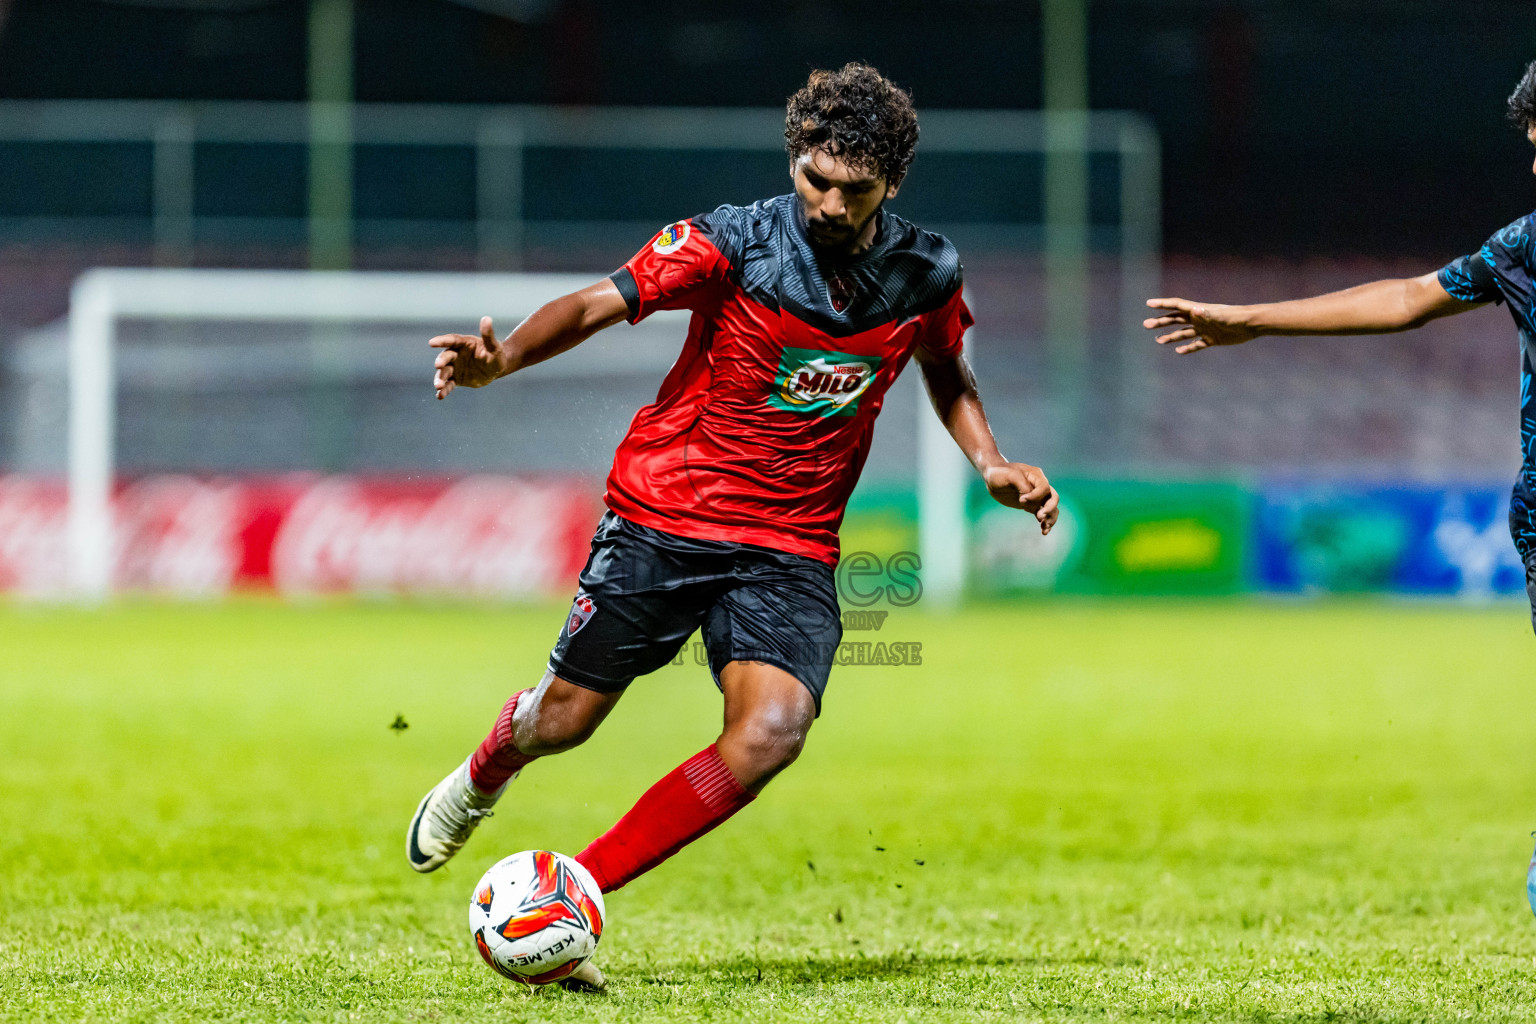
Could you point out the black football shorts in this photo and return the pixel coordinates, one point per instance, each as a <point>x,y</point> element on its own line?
<point>644,592</point>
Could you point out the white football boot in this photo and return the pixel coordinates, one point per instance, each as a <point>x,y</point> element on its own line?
<point>445,819</point>
<point>586,978</point>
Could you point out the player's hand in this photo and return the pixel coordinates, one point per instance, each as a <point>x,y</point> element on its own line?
<point>466,360</point>
<point>1021,486</point>
<point>1198,326</point>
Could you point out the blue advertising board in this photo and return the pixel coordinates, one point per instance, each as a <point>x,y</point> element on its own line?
<point>1431,539</point>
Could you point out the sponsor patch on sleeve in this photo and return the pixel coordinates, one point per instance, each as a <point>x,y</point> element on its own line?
<point>671,238</point>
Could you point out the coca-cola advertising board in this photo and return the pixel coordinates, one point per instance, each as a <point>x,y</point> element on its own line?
<point>488,537</point>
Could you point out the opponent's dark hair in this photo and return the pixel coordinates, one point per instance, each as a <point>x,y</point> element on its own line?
<point>857,114</point>
<point>1522,102</point>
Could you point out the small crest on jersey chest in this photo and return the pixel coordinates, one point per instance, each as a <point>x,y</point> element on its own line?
<point>840,291</point>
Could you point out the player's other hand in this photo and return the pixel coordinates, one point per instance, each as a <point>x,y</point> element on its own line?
<point>466,360</point>
<point>1198,325</point>
<point>1021,486</point>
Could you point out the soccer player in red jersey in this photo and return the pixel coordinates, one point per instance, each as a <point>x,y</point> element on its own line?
<point>726,495</point>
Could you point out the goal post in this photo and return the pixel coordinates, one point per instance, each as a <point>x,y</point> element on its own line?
<point>103,299</point>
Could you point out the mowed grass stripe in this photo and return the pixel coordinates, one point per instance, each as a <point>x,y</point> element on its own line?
<point>1071,811</point>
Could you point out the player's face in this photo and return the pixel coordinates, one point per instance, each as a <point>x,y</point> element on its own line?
<point>1531,134</point>
<point>839,201</point>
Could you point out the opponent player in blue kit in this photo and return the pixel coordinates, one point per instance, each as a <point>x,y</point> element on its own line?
<point>1503,270</point>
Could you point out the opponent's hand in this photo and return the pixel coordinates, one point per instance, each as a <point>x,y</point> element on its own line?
<point>1199,326</point>
<point>1022,486</point>
<point>466,360</point>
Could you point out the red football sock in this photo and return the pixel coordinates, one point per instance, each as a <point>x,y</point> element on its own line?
<point>498,757</point>
<point>693,798</point>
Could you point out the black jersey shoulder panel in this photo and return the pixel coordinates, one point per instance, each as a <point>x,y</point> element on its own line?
<point>723,227</point>
<point>906,273</point>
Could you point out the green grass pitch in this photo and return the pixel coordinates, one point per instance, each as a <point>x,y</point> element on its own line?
<point>1071,811</point>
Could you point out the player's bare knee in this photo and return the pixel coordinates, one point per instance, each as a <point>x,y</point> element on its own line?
<point>776,750</point>
<point>556,718</point>
<point>553,733</point>
<point>762,745</point>
<point>782,751</point>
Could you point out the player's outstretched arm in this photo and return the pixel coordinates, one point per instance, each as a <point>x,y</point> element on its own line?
<point>473,361</point>
<point>952,388</point>
<point>1381,307</point>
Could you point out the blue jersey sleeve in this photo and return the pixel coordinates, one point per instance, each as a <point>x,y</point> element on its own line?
<point>1470,279</point>
<point>1499,272</point>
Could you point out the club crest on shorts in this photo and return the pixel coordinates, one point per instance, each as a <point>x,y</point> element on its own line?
<point>581,610</point>
<point>671,238</point>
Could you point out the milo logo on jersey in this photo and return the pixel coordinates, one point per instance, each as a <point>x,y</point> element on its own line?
<point>822,383</point>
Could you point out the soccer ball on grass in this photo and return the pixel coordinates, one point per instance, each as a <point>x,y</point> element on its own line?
<point>536,916</point>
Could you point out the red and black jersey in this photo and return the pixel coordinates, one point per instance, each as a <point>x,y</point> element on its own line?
<point>762,426</point>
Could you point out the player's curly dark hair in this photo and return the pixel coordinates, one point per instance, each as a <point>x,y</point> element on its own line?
<point>1522,102</point>
<point>857,114</point>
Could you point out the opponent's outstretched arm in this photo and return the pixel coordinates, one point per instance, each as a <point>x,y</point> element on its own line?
<point>1381,307</point>
<point>952,389</point>
<point>473,361</point>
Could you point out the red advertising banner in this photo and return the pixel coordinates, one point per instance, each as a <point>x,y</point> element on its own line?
<point>477,536</point>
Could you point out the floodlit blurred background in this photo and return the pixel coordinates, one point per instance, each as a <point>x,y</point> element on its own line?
<point>227,230</point>
<point>1083,157</point>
